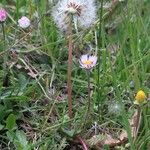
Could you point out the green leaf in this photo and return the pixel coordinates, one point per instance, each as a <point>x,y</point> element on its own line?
<point>21,137</point>
<point>69,133</point>
<point>10,121</point>
<point>21,142</point>
<point>10,135</point>
<point>1,127</point>
<point>2,112</point>
<point>22,82</point>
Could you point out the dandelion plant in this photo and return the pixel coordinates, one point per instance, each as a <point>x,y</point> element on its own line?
<point>68,15</point>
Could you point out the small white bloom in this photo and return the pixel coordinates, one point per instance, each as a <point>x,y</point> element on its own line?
<point>87,61</point>
<point>24,22</point>
<point>83,12</point>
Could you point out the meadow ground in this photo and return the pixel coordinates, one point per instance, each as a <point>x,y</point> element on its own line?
<point>110,101</point>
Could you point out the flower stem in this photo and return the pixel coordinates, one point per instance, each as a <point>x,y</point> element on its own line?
<point>100,45</point>
<point>83,143</point>
<point>4,37</point>
<point>138,120</point>
<point>144,110</point>
<point>5,80</point>
<point>69,84</point>
<point>89,101</point>
<point>89,92</point>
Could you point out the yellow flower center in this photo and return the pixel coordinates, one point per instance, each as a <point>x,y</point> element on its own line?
<point>140,96</point>
<point>87,62</point>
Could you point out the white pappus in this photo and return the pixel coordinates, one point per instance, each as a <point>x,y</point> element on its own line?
<point>83,12</point>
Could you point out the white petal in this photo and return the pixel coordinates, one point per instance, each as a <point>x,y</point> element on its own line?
<point>84,58</point>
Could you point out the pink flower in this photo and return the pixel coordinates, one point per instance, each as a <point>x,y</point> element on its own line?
<point>87,61</point>
<point>3,15</point>
<point>24,22</point>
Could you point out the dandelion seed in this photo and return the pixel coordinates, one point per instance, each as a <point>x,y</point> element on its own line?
<point>83,12</point>
<point>115,108</point>
<point>3,15</point>
<point>140,97</point>
<point>24,22</point>
<point>87,61</point>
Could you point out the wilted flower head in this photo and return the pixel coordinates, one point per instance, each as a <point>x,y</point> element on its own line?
<point>3,14</point>
<point>140,97</point>
<point>83,12</point>
<point>87,61</point>
<point>24,22</point>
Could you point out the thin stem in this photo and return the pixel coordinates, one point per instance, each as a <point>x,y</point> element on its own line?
<point>138,120</point>
<point>69,84</point>
<point>89,100</point>
<point>83,143</point>
<point>145,117</point>
<point>17,9</point>
<point>89,92</point>
<point>5,80</point>
<point>4,36</point>
<point>100,45</point>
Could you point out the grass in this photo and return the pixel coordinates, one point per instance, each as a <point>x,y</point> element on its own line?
<point>33,105</point>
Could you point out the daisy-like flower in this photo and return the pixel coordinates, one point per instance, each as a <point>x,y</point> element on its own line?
<point>24,22</point>
<point>3,15</point>
<point>83,12</point>
<point>87,61</point>
<point>140,97</point>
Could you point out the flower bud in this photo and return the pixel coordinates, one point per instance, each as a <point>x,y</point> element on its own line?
<point>140,97</point>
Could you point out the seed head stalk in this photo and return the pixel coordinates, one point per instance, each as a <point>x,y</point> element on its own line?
<point>69,84</point>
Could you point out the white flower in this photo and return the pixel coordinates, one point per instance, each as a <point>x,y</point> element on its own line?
<point>83,12</point>
<point>24,22</point>
<point>87,61</point>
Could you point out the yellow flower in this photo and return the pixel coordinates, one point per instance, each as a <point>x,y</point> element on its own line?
<point>140,97</point>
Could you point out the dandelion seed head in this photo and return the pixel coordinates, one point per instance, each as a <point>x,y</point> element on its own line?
<point>3,15</point>
<point>115,108</point>
<point>83,12</point>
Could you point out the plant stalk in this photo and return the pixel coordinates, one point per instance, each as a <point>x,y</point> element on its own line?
<point>138,119</point>
<point>89,92</point>
<point>69,84</point>
<point>99,45</point>
<point>5,77</point>
<point>83,143</point>
<point>89,100</point>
